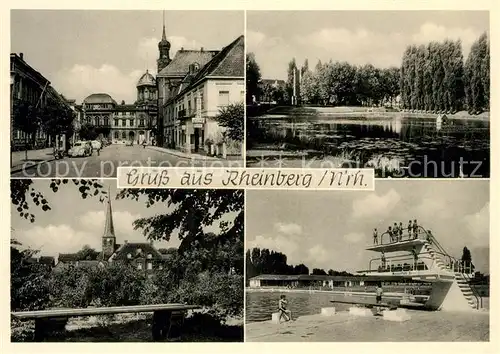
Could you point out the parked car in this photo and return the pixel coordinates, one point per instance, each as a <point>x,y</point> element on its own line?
<point>80,148</point>
<point>96,145</point>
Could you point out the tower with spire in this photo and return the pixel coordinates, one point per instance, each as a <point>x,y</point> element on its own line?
<point>164,50</point>
<point>108,236</point>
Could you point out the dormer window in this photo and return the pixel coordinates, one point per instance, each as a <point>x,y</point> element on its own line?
<point>150,256</point>
<point>129,256</point>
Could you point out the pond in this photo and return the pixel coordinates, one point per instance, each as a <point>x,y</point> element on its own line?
<point>399,145</point>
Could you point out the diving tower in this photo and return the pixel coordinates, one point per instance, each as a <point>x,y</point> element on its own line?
<point>419,256</point>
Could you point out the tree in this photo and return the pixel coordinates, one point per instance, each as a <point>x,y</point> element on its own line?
<point>88,132</point>
<point>317,271</point>
<point>232,117</point>
<point>87,254</point>
<point>29,289</point>
<point>477,76</point>
<point>253,78</point>
<point>291,74</point>
<point>26,118</point>
<point>467,259</point>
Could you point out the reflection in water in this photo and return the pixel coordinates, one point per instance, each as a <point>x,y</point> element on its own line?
<point>425,147</point>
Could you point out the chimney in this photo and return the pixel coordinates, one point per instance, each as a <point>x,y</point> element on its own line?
<point>201,49</point>
<point>126,241</point>
<point>21,55</point>
<point>182,48</point>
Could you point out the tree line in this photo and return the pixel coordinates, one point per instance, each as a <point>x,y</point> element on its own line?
<point>206,268</point>
<point>434,77</point>
<point>264,261</point>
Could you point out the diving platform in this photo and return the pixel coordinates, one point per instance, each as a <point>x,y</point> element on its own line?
<point>418,255</point>
<point>401,246</point>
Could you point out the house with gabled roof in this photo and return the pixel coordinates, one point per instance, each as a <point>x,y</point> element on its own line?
<point>140,255</point>
<point>193,87</point>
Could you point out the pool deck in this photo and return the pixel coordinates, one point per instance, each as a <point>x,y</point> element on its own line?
<point>425,326</point>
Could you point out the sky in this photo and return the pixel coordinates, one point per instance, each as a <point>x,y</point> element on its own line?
<point>358,37</point>
<point>74,222</point>
<point>89,51</point>
<point>331,230</point>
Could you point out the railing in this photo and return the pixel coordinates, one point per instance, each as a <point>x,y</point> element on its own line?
<point>479,298</point>
<point>386,238</point>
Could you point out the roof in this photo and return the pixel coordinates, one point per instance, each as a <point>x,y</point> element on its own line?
<point>179,66</point>
<point>19,59</point>
<point>99,98</point>
<point>229,62</point>
<point>146,80</point>
<point>109,228</point>
<point>67,257</point>
<point>46,260</point>
<point>273,82</point>
<point>307,277</point>
<point>133,248</point>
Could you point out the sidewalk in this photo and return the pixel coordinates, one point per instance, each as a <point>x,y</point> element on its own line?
<point>184,155</point>
<point>35,157</point>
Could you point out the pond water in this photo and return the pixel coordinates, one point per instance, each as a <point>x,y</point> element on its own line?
<point>416,147</point>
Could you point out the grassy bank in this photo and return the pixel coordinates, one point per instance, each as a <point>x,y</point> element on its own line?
<point>360,112</point>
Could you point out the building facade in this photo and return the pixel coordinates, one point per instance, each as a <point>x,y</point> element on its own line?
<point>140,255</point>
<point>32,97</point>
<point>192,88</point>
<point>122,123</point>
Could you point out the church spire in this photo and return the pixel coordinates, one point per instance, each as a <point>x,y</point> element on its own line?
<point>163,36</point>
<point>109,229</point>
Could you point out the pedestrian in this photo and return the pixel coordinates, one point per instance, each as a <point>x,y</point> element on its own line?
<point>144,144</point>
<point>283,311</point>
<point>389,231</point>
<point>410,229</point>
<point>375,237</point>
<point>395,230</point>
<point>400,231</point>
<point>382,258</point>
<point>415,228</point>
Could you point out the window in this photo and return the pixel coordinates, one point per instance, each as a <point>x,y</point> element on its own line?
<point>124,122</point>
<point>106,121</point>
<point>124,135</point>
<point>131,121</point>
<point>160,267</point>
<point>116,122</point>
<point>150,265</point>
<point>150,256</point>
<point>117,135</point>
<point>139,266</point>
<point>141,122</point>
<point>223,98</point>
<point>129,256</point>
<point>201,100</point>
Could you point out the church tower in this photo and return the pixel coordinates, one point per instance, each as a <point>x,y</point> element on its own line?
<point>108,237</point>
<point>164,49</point>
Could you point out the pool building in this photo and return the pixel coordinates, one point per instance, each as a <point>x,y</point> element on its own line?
<point>325,281</point>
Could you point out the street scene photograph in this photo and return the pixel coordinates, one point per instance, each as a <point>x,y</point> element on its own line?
<point>406,262</point>
<point>111,88</point>
<point>406,93</point>
<point>93,263</point>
